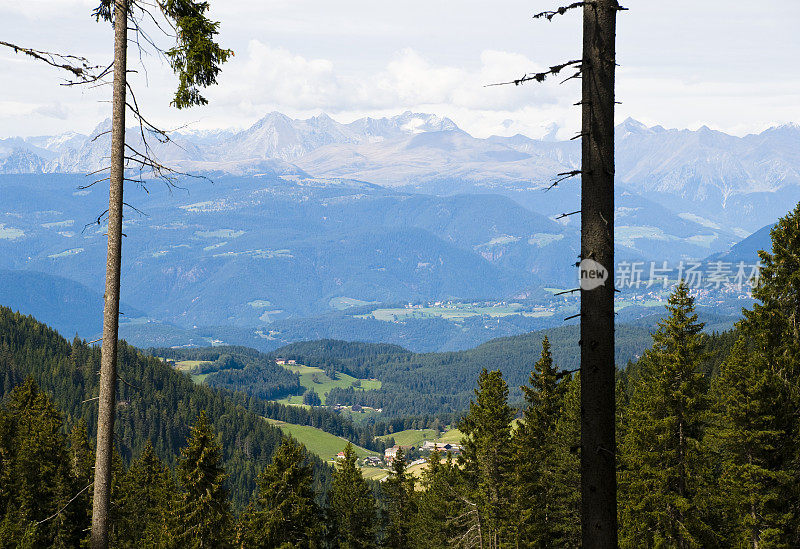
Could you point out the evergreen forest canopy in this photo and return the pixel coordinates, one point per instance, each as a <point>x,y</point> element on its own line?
<point>707,453</point>
<point>412,384</point>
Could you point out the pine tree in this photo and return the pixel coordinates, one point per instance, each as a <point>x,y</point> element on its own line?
<point>398,492</point>
<point>535,446</point>
<point>204,515</point>
<point>284,510</point>
<point>437,504</point>
<point>665,468</point>
<point>774,322</point>
<point>148,495</point>
<point>486,457</point>
<point>352,505</point>
<point>772,330</point>
<point>567,511</point>
<point>82,461</point>
<point>745,434</point>
<point>36,480</point>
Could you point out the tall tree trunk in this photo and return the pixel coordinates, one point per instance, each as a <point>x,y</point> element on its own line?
<point>598,445</point>
<point>108,360</point>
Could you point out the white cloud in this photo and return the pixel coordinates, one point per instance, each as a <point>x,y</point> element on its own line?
<point>53,110</point>
<point>352,58</point>
<point>273,78</point>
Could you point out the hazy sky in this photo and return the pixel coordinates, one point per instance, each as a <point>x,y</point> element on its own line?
<point>729,64</point>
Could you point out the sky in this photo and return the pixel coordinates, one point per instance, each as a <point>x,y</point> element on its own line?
<point>727,64</point>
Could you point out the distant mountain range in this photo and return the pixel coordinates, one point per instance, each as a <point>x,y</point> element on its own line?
<point>303,215</point>
<point>736,183</point>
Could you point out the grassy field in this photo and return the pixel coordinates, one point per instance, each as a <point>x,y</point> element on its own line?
<point>187,365</point>
<point>317,441</point>
<point>416,470</point>
<point>374,473</point>
<point>199,378</point>
<point>412,437</point>
<point>451,436</point>
<point>315,378</point>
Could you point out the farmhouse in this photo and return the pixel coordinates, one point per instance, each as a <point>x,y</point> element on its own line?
<point>447,447</point>
<point>391,453</point>
<point>280,361</point>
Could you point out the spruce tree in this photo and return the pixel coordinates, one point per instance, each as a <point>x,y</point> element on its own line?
<point>486,458</point>
<point>567,480</point>
<point>535,447</point>
<point>665,467</point>
<point>772,330</point>
<point>82,462</point>
<point>148,494</point>
<point>204,515</point>
<point>284,510</point>
<point>352,505</point>
<point>36,475</point>
<point>398,492</point>
<point>436,504</point>
<point>745,434</point>
<point>774,322</point>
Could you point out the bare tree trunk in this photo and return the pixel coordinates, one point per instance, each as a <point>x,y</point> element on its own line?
<point>598,445</point>
<point>108,361</point>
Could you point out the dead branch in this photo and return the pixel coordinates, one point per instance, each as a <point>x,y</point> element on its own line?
<point>568,291</point>
<point>131,385</point>
<point>95,222</point>
<point>541,76</point>
<point>54,515</point>
<point>565,373</point>
<point>134,208</point>
<point>563,176</point>
<point>561,11</point>
<point>79,66</point>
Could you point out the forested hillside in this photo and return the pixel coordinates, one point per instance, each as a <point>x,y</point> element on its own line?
<point>240,363</point>
<point>433,383</point>
<point>156,403</point>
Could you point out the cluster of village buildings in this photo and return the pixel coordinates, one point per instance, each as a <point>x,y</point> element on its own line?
<point>390,454</point>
